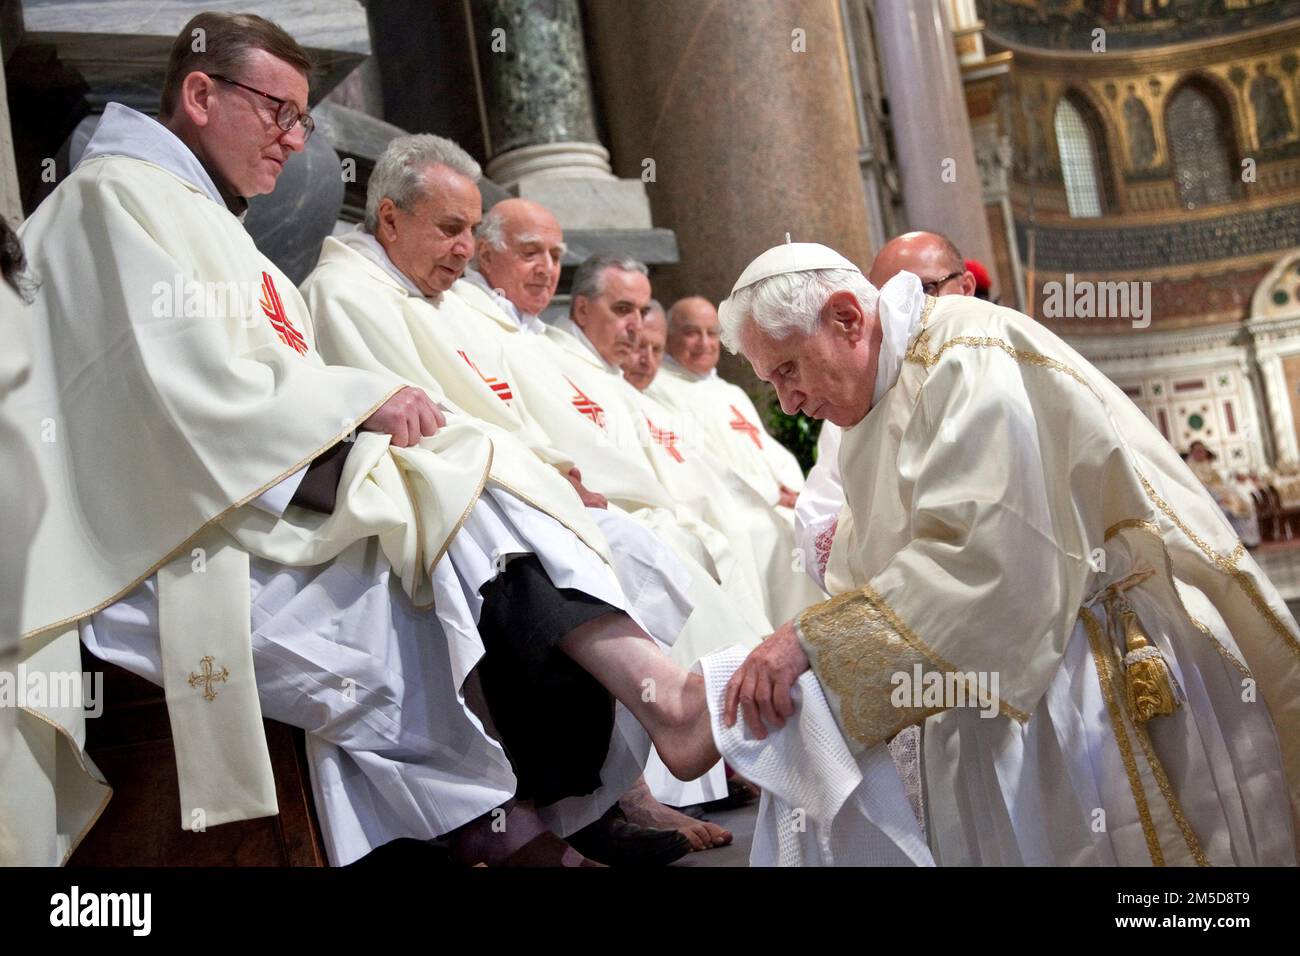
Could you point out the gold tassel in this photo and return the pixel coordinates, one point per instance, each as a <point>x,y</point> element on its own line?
<point>1150,683</point>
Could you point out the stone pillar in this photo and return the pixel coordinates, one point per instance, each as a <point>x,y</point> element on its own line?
<point>542,135</point>
<point>968,39</point>
<point>932,135</point>
<point>1285,447</point>
<point>741,117</point>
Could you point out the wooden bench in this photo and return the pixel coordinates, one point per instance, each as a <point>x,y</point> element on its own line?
<point>131,743</point>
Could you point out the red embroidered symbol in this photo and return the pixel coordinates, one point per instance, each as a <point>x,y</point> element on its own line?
<point>742,424</point>
<point>498,385</point>
<point>586,406</point>
<point>822,543</point>
<point>274,310</point>
<point>665,438</point>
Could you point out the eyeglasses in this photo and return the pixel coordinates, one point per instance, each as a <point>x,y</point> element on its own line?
<point>286,114</point>
<point>931,287</point>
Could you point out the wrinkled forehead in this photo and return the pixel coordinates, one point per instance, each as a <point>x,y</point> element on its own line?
<point>533,229</point>
<point>619,285</point>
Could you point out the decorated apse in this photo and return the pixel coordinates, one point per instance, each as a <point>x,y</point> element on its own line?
<point>1156,204</point>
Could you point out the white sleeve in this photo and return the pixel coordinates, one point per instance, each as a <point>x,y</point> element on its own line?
<point>819,504</point>
<point>276,498</point>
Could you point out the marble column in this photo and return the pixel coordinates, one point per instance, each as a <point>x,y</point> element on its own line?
<point>741,116</point>
<point>932,135</point>
<point>966,30</point>
<point>542,135</point>
<point>1285,447</point>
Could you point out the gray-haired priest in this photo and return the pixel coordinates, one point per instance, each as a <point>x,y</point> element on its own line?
<point>382,298</point>
<point>1025,568</point>
<point>259,532</point>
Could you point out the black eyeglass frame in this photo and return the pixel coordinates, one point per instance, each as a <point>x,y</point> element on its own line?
<point>286,113</point>
<point>931,287</point>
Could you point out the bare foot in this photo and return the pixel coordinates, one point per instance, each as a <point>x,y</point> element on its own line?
<point>682,732</point>
<point>640,807</point>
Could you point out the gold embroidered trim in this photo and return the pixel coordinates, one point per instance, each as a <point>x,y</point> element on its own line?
<point>1102,662</point>
<point>920,353</point>
<point>81,763</point>
<point>149,572</point>
<point>1171,799</point>
<point>1228,565</point>
<point>1141,523</point>
<point>860,643</point>
<point>1150,527</point>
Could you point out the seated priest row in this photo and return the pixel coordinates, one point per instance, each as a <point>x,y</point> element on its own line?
<point>571,374</point>
<point>261,533</point>
<point>680,425</point>
<point>1117,681</point>
<point>690,380</point>
<point>379,301</point>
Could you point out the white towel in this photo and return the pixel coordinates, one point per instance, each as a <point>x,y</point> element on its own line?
<point>820,805</point>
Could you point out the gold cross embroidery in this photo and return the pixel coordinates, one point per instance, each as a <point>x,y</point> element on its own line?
<point>207,677</point>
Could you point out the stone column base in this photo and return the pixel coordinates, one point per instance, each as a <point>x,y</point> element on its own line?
<point>573,181</point>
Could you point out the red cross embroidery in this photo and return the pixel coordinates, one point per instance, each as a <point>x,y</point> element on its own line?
<point>498,385</point>
<point>274,310</point>
<point>742,424</point>
<point>822,543</point>
<point>665,438</point>
<point>586,406</point>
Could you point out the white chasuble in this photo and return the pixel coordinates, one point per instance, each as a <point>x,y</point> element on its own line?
<point>584,399</point>
<point>367,315</point>
<point>735,426</point>
<point>22,499</point>
<point>1020,553</point>
<point>175,371</point>
<point>703,482</point>
<point>588,411</point>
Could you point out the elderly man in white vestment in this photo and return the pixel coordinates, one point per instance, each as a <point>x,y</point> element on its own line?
<point>571,380</point>
<point>935,260</point>
<point>580,402</point>
<point>262,533</point>
<point>1026,569</point>
<point>379,300</point>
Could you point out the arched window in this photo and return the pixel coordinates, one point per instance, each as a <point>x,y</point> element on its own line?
<point>1200,145</point>
<point>1080,159</point>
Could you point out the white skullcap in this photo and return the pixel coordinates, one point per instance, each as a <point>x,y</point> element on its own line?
<point>784,259</point>
<point>900,301</point>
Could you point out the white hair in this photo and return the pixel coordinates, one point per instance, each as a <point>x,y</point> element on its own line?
<point>492,229</point>
<point>399,172</point>
<point>790,303</point>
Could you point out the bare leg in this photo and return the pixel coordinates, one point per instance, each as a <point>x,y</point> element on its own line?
<point>667,700</point>
<point>640,806</point>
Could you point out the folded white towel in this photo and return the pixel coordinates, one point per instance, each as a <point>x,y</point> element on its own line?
<point>820,805</point>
